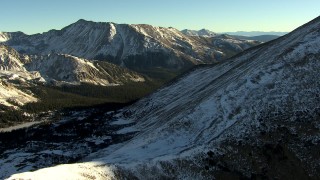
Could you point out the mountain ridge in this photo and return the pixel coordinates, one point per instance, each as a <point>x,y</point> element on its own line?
<point>134,46</point>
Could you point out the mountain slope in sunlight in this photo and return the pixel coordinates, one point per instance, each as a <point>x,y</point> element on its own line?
<point>253,116</point>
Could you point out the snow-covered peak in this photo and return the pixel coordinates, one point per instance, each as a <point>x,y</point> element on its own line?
<point>82,21</point>
<point>202,32</point>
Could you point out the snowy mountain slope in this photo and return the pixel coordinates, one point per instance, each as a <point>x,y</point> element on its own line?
<point>74,70</point>
<point>135,46</point>
<point>254,112</point>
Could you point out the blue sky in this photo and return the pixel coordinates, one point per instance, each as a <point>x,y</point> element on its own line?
<point>34,16</point>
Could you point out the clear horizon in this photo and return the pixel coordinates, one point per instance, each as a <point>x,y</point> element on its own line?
<point>37,16</point>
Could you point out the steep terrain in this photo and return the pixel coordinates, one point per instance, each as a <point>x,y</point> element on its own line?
<point>253,116</point>
<point>134,46</point>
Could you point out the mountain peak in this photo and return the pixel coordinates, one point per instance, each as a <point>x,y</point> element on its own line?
<point>202,32</point>
<point>83,21</point>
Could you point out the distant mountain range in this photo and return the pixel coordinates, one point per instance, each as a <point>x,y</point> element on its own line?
<point>255,35</point>
<point>133,46</point>
<point>262,38</point>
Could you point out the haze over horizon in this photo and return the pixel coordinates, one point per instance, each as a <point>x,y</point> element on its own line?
<point>37,16</point>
